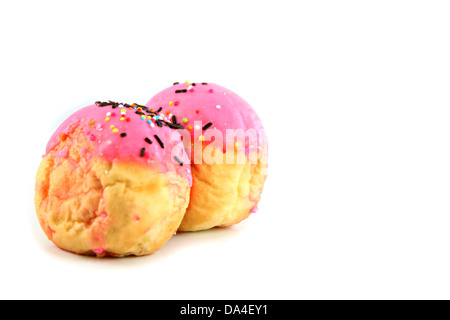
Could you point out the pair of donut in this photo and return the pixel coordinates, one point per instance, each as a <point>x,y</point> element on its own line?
<point>120,179</point>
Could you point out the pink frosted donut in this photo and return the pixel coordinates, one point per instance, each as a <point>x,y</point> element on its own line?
<point>228,152</point>
<point>115,180</point>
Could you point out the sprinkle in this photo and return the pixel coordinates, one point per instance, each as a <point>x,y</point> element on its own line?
<point>122,119</point>
<point>185,120</point>
<point>106,119</point>
<point>197,127</point>
<point>115,130</point>
<point>148,140</point>
<point>193,84</point>
<point>108,114</point>
<point>92,123</point>
<point>197,111</point>
<point>127,119</point>
<point>176,83</point>
<point>170,103</point>
<point>204,83</point>
<point>142,152</point>
<point>176,103</point>
<point>206,126</point>
<point>92,137</point>
<point>180,91</point>
<point>178,160</point>
<point>159,110</point>
<point>63,137</point>
<point>211,91</point>
<point>159,141</point>
<point>174,119</point>
<point>189,127</point>
<point>218,107</point>
<point>123,134</point>
<point>112,126</point>
<point>201,138</point>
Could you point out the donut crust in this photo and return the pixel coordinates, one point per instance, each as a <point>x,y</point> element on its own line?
<point>91,206</point>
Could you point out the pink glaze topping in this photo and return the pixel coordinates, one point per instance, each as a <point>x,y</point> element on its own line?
<point>193,103</point>
<point>130,133</point>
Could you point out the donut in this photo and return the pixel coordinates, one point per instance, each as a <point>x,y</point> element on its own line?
<point>114,181</point>
<point>225,140</point>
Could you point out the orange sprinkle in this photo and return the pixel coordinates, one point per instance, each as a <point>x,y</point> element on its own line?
<point>189,127</point>
<point>63,137</point>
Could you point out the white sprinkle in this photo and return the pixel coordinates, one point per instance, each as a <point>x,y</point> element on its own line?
<point>152,125</point>
<point>197,127</point>
<point>218,107</point>
<point>108,114</point>
<point>106,172</point>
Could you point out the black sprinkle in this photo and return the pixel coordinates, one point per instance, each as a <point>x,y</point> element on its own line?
<point>206,126</point>
<point>180,91</point>
<point>160,108</point>
<point>148,140</point>
<point>159,141</point>
<point>176,83</point>
<point>178,160</point>
<point>142,153</point>
<point>160,123</point>
<point>194,84</point>
<point>174,120</point>
<point>123,134</point>
<point>204,83</point>
<point>140,112</point>
<point>174,125</point>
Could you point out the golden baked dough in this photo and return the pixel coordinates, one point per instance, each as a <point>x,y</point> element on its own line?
<point>223,194</point>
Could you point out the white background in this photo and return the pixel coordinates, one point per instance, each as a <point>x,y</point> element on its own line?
<point>355,99</point>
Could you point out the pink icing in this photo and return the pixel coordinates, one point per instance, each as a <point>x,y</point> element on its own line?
<point>254,209</point>
<point>99,250</point>
<point>209,103</point>
<point>111,145</point>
